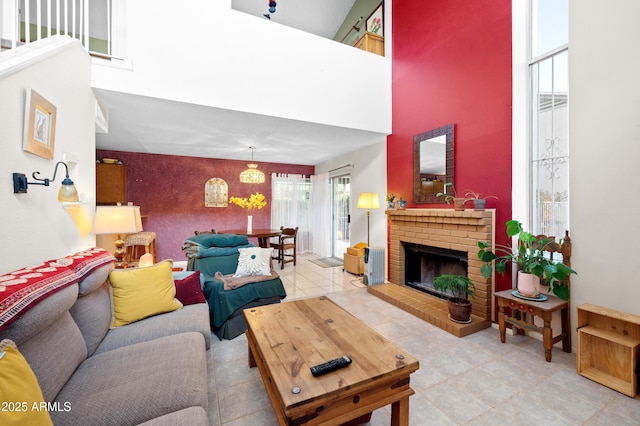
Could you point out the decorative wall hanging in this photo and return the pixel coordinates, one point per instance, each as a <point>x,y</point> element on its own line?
<point>39,125</point>
<point>216,193</point>
<point>375,21</point>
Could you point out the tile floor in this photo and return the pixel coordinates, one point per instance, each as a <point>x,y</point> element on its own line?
<point>475,380</point>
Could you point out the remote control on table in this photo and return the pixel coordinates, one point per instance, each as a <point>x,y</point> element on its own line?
<point>329,366</point>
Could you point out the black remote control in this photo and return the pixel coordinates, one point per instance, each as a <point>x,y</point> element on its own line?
<point>329,366</point>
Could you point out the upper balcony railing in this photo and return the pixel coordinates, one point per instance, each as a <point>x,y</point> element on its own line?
<point>23,22</point>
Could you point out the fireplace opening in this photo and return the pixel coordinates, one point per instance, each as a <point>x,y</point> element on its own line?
<point>424,263</point>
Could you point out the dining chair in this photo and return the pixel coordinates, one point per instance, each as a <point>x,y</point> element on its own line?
<point>286,241</point>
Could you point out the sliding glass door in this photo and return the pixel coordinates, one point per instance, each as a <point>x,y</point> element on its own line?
<point>340,215</point>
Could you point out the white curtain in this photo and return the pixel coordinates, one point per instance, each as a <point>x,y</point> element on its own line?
<point>321,215</point>
<point>290,206</point>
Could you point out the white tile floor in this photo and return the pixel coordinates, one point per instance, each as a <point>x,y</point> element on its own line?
<point>475,380</point>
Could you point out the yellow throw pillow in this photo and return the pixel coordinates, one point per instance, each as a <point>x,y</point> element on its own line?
<point>20,393</point>
<point>138,293</point>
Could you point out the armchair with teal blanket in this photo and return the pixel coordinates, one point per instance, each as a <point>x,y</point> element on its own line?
<point>211,253</point>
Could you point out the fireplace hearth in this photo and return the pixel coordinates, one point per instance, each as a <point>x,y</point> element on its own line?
<point>439,229</point>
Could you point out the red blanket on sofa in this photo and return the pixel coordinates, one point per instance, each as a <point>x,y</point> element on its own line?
<point>22,289</point>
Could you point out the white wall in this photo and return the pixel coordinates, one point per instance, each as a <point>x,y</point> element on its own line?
<point>34,226</point>
<point>604,120</point>
<point>368,174</point>
<point>245,63</point>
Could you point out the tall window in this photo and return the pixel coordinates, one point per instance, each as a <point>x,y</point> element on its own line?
<point>290,206</point>
<point>549,73</point>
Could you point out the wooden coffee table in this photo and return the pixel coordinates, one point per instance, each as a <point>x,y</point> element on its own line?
<point>288,338</point>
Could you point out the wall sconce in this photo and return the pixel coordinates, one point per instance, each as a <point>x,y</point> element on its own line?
<point>67,193</point>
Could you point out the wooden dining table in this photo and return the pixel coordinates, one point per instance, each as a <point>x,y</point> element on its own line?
<point>262,235</point>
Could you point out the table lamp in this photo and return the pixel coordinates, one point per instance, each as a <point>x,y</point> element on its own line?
<point>117,220</point>
<point>368,200</point>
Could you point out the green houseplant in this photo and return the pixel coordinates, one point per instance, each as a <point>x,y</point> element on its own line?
<point>391,201</point>
<point>460,287</point>
<point>530,257</point>
<point>451,196</point>
<point>479,201</point>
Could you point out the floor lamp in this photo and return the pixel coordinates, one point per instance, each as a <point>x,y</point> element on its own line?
<point>368,200</point>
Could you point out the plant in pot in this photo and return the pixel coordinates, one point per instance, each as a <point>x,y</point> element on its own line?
<point>451,196</point>
<point>402,203</point>
<point>534,266</point>
<point>391,201</point>
<point>459,287</point>
<point>479,201</point>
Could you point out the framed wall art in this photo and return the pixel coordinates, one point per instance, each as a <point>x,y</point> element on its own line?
<point>216,193</point>
<point>39,125</point>
<point>375,21</point>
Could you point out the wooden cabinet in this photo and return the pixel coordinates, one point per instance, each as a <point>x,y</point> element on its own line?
<point>111,184</point>
<point>608,342</point>
<point>371,43</point>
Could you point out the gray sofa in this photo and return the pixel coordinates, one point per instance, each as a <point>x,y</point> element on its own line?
<point>153,371</point>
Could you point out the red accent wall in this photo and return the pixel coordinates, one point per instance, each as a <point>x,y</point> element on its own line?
<point>170,192</point>
<point>452,64</point>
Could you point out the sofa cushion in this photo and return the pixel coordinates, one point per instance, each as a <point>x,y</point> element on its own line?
<point>91,266</point>
<point>19,389</point>
<point>92,313</point>
<point>189,318</point>
<point>42,315</point>
<point>253,261</point>
<point>192,416</point>
<point>137,383</point>
<point>23,289</point>
<point>189,288</point>
<point>54,354</point>
<point>95,279</point>
<point>139,293</point>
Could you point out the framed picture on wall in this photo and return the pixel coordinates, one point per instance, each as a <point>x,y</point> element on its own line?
<point>216,193</point>
<point>39,125</point>
<point>375,21</point>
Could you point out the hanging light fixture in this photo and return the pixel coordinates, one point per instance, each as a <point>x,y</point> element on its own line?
<point>252,174</point>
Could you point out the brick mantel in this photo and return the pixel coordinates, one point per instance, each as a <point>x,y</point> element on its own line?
<point>448,229</point>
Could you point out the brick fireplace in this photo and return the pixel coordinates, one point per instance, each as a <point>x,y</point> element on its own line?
<point>443,229</point>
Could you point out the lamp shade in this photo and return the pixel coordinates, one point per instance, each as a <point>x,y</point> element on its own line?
<point>117,220</point>
<point>68,192</point>
<point>368,200</point>
<point>252,174</point>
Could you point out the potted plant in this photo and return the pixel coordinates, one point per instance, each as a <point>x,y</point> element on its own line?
<point>533,266</point>
<point>451,197</point>
<point>459,287</point>
<point>402,204</point>
<point>478,200</point>
<point>391,201</point>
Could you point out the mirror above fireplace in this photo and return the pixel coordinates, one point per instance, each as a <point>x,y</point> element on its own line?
<point>433,153</point>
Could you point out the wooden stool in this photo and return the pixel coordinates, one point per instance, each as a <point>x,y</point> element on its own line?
<point>133,241</point>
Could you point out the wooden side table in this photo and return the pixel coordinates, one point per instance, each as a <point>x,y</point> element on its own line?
<point>520,313</point>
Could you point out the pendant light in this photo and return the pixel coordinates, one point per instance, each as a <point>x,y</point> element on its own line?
<point>252,174</point>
